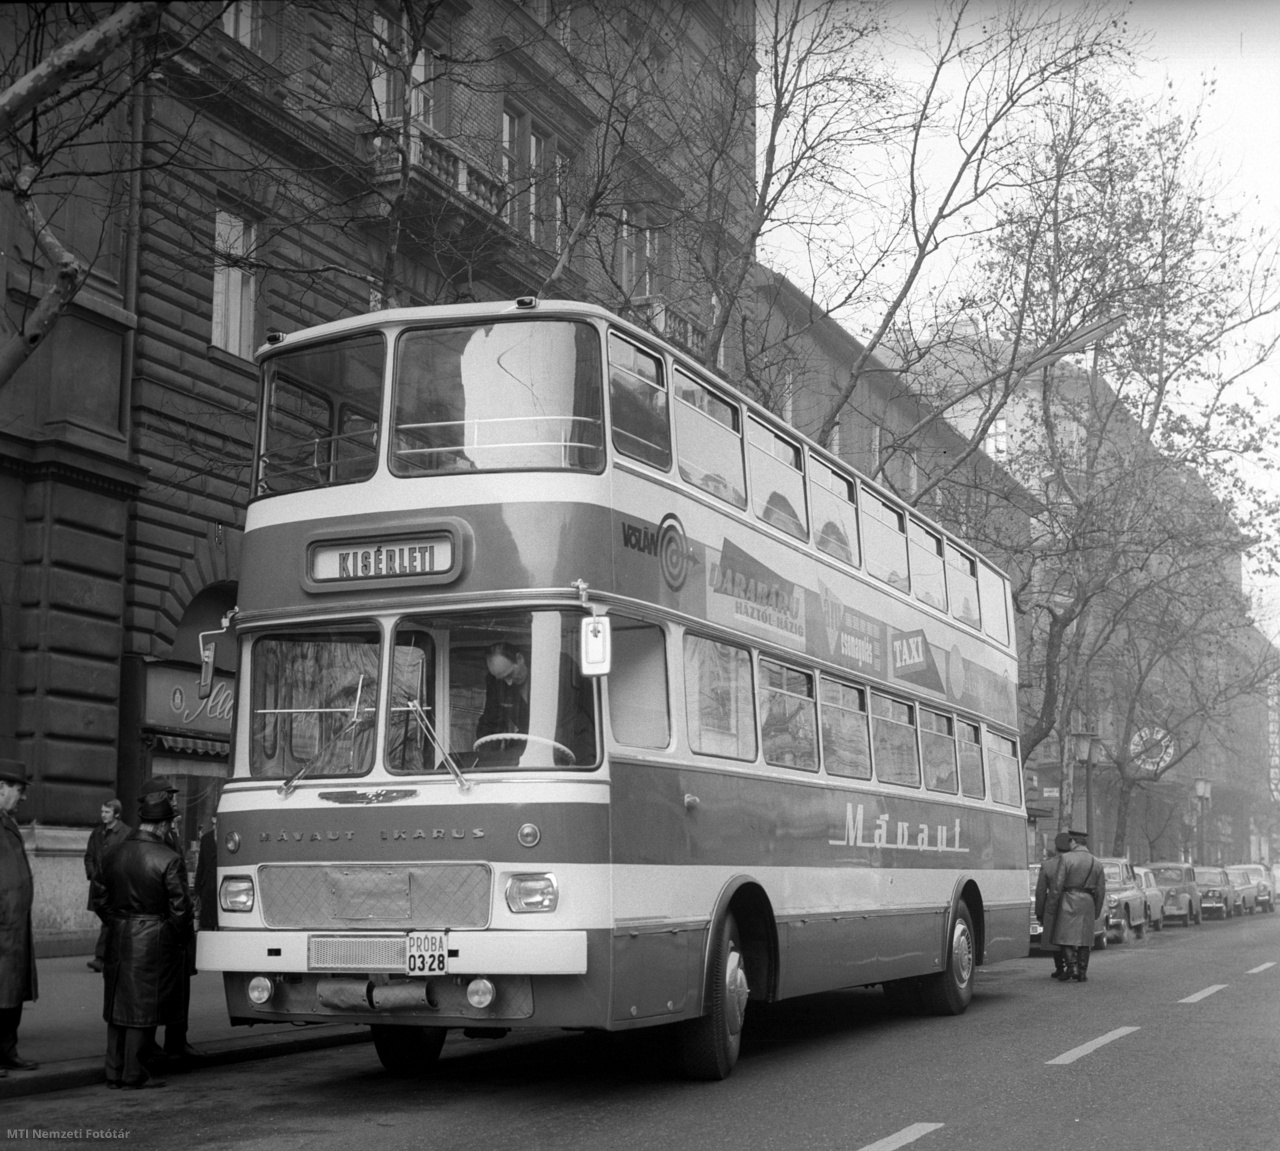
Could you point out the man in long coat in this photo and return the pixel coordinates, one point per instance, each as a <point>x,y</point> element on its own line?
<point>142,890</point>
<point>17,947</point>
<point>110,833</point>
<point>1083,896</point>
<point>1048,892</point>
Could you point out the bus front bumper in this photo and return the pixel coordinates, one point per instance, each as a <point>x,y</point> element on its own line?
<point>470,952</point>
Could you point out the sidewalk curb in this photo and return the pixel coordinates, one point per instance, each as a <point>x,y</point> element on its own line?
<point>71,1073</point>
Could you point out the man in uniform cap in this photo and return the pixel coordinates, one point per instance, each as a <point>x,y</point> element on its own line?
<point>1083,896</point>
<point>17,947</point>
<point>1048,894</point>
<point>156,789</point>
<point>142,891</point>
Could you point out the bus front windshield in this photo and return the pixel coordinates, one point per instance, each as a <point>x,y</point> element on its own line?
<point>509,396</point>
<point>491,691</point>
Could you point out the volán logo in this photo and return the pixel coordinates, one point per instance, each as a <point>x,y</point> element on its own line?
<point>639,539</point>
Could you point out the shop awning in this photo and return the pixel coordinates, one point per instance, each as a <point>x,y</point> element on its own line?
<point>189,746</point>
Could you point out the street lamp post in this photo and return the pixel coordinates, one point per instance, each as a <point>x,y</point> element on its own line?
<point>1084,744</point>
<point>1204,791</point>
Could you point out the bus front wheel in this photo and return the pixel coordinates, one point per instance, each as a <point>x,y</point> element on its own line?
<point>709,1045</point>
<point>950,991</point>
<point>408,1050</point>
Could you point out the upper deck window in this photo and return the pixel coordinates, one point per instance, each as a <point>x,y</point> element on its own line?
<point>833,509</point>
<point>320,415</point>
<point>886,541</point>
<point>638,393</point>
<point>995,614</point>
<point>511,396</point>
<point>777,480</point>
<point>709,441</point>
<point>962,583</point>
<point>928,580</point>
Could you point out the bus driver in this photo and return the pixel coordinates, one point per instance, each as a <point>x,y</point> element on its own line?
<point>506,704</point>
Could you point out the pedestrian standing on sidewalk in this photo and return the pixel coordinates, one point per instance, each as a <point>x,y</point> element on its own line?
<point>143,893</point>
<point>207,879</point>
<point>177,1050</point>
<point>1048,894</point>
<point>110,833</point>
<point>17,947</point>
<point>1084,894</point>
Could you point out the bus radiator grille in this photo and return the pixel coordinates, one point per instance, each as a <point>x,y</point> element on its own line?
<point>319,896</point>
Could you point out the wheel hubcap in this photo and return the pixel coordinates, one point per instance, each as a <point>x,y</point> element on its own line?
<point>962,954</point>
<point>735,992</point>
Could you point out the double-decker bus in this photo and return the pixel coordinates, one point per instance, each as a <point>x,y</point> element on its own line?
<point>576,690</point>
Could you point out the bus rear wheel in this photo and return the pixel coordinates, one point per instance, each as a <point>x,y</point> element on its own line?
<point>951,990</point>
<point>709,1045</point>
<point>408,1050</point>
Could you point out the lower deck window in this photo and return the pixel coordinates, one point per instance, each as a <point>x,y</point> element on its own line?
<point>719,707</point>
<point>893,733</point>
<point>1006,775</point>
<point>788,724</point>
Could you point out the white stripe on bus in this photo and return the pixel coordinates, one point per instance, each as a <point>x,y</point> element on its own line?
<point>1093,1045</point>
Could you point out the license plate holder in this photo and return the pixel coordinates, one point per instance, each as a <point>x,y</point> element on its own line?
<point>427,953</point>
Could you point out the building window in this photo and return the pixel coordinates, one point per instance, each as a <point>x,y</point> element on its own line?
<point>387,78</point>
<point>637,255</point>
<point>532,170</point>
<point>240,23</point>
<point>233,286</point>
<point>996,443</point>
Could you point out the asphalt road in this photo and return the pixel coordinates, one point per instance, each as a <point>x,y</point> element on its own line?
<point>1174,1043</point>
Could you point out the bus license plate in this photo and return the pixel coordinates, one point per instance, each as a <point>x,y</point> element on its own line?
<point>427,954</point>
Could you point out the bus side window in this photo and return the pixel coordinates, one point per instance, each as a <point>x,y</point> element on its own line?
<point>938,750</point>
<point>638,709</point>
<point>995,616</point>
<point>719,703</point>
<point>969,745</point>
<point>846,742</point>
<point>709,441</point>
<point>1006,777</point>
<point>893,732</point>
<point>834,509</point>
<point>777,480</point>
<point>886,541</point>
<point>962,584</point>
<point>638,393</point>
<point>788,723</point>
<point>927,578</point>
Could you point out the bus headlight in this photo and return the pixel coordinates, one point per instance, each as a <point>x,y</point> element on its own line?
<point>260,989</point>
<point>236,893</point>
<point>532,893</point>
<point>480,992</point>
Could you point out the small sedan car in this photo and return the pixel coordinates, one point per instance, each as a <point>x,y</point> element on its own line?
<point>1246,887</point>
<point>1037,931</point>
<point>1181,892</point>
<point>1217,893</point>
<point>1126,905</point>
<point>1266,887</point>
<point>1153,895</point>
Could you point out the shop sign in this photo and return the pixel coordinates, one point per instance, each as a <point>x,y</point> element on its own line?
<point>173,701</point>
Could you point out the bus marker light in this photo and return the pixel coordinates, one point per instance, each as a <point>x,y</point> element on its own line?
<point>236,893</point>
<point>480,992</point>
<point>232,842</point>
<point>532,893</point>
<point>528,835</point>
<point>260,989</point>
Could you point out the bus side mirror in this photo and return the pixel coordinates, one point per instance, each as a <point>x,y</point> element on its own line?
<point>208,652</point>
<point>595,647</point>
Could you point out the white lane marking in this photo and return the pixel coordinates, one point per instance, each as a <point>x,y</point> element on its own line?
<point>1199,995</point>
<point>902,1138</point>
<point>1093,1045</point>
<point>1255,970</point>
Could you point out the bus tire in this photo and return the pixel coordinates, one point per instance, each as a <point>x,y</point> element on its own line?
<point>408,1051</point>
<point>950,991</point>
<point>709,1045</point>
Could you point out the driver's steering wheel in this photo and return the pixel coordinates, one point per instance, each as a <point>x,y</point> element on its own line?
<point>505,735</point>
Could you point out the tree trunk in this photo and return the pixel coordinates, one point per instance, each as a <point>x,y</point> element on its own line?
<point>1122,816</point>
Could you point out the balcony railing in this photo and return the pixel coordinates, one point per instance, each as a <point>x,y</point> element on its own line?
<point>667,320</point>
<point>444,166</point>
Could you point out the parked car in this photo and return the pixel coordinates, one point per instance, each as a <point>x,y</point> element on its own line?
<point>1126,905</point>
<point>1266,889</point>
<point>1039,944</point>
<point>1217,892</point>
<point>1152,894</point>
<point>1246,887</point>
<point>1181,892</point>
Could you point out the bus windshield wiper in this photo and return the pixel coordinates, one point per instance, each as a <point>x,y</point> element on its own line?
<point>415,709</point>
<point>287,787</point>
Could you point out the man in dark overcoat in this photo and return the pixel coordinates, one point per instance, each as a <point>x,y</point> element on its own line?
<point>17,947</point>
<point>143,892</point>
<point>1083,896</point>
<point>1048,892</point>
<point>110,833</point>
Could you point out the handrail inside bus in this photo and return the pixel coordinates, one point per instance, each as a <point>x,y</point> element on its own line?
<point>415,710</point>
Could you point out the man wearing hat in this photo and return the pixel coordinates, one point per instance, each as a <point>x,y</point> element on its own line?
<point>17,948</point>
<point>156,789</point>
<point>142,890</point>
<point>109,834</point>
<point>1084,894</point>
<point>1048,893</point>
